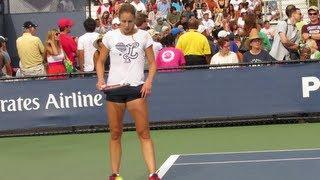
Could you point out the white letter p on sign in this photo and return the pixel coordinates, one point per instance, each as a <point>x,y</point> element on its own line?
<point>309,84</point>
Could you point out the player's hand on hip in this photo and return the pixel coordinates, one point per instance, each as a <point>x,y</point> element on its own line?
<point>146,89</point>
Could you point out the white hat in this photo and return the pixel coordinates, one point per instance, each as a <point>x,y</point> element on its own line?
<point>201,28</point>
<point>115,21</point>
<point>223,34</point>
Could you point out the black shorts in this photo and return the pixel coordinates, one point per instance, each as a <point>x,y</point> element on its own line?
<point>124,94</point>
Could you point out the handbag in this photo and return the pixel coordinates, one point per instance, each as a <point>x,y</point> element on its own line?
<point>68,64</point>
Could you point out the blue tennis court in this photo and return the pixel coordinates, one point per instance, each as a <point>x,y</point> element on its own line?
<point>264,165</point>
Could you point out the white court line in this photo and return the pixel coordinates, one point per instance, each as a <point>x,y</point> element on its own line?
<point>247,161</point>
<point>244,152</point>
<point>167,165</point>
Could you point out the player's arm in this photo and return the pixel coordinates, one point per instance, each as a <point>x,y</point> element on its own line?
<point>146,89</point>
<point>104,53</point>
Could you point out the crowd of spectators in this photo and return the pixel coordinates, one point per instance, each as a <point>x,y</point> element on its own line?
<point>186,32</point>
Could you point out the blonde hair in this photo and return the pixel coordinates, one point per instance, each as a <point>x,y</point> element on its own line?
<point>51,34</point>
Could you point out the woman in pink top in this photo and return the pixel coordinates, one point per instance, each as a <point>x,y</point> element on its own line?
<point>169,58</point>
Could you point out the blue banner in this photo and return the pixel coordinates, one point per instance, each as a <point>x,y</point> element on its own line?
<point>191,94</point>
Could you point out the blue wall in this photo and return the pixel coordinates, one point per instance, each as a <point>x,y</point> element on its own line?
<point>193,94</point>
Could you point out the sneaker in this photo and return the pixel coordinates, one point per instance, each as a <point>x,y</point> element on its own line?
<point>115,177</point>
<point>154,177</point>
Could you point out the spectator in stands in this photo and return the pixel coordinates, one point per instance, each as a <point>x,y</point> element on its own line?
<point>105,24</point>
<point>188,13</point>
<point>5,61</point>
<point>2,65</point>
<point>140,7</point>
<point>208,22</point>
<point>163,8</point>
<point>85,46</point>
<point>243,14</point>
<point>173,17</point>
<point>142,21</point>
<point>183,22</point>
<point>225,34</point>
<point>169,56</point>
<point>54,55</point>
<point>153,16</point>
<point>268,30</point>
<point>194,45</point>
<point>30,51</point>
<point>66,6</point>
<point>68,42</point>
<point>285,44</point>
<point>305,53</point>
<point>6,57</point>
<point>103,7</point>
<point>300,23</point>
<point>230,10</point>
<point>97,24</point>
<point>251,23</point>
<point>160,24</point>
<point>315,53</point>
<point>312,30</point>
<point>235,3</point>
<point>178,5</point>
<point>204,10</point>
<point>165,31</point>
<point>256,53</point>
<point>224,56</point>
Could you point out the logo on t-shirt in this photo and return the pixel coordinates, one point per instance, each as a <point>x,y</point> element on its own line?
<point>129,50</point>
<point>167,56</point>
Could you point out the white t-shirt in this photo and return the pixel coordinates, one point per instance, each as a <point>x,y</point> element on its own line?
<point>139,7</point>
<point>208,24</point>
<point>85,43</point>
<point>235,4</point>
<point>127,56</point>
<point>229,59</point>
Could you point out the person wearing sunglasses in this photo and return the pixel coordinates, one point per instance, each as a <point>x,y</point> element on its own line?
<point>54,55</point>
<point>312,30</point>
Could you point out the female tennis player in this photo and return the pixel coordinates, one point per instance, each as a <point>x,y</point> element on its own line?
<point>128,48</point>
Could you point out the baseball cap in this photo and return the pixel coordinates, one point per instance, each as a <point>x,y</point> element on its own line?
<point>29,24</point>
<point>175,31</point>
<point>315,8</point>
<point>64,22</point>
<point>223,34</point>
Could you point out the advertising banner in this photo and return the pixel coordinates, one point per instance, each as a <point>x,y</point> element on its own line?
<point>184,95</point>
